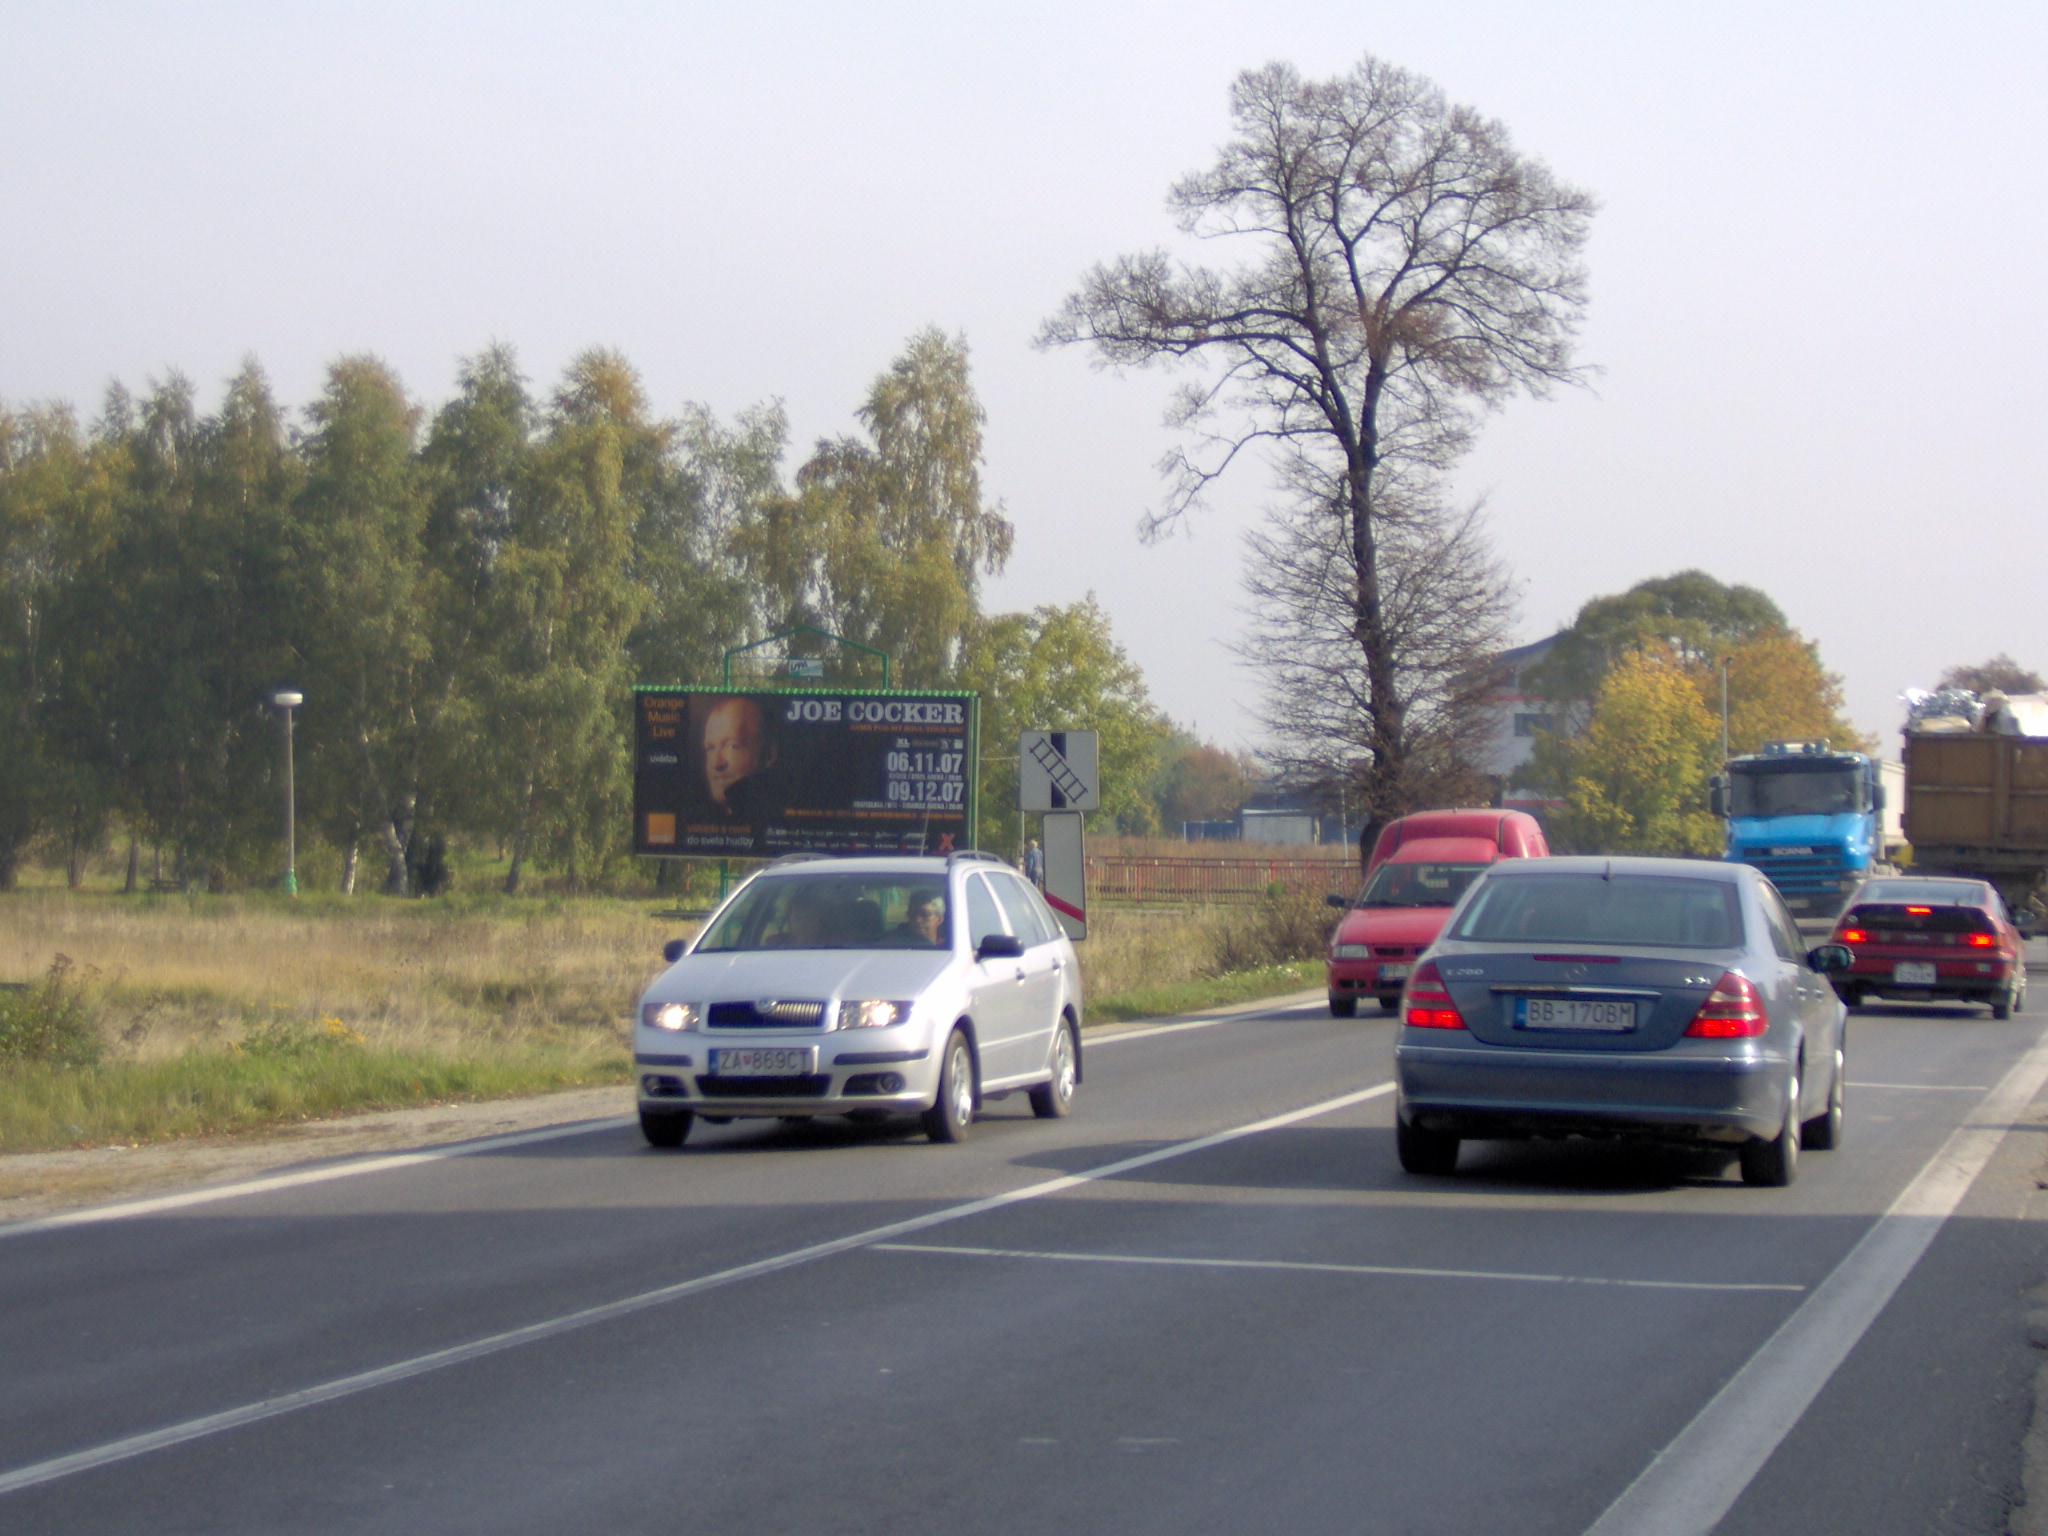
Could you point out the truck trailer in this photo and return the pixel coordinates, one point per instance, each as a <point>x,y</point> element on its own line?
<point>1977,805</point>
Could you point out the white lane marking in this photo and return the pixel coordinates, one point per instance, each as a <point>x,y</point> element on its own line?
<point>1272,1005</point>
<point>350,1170</point>
<point>1929,1087</point>
<point>420,1365</point>
<point>1697,1478</point>
<point>1333,1269</point>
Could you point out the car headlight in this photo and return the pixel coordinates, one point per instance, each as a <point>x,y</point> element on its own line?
<point>669,1015</point>
<point>872,1014</point>
<point>1351,952</point>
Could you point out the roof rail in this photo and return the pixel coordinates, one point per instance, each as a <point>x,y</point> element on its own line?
<point>962,855</point>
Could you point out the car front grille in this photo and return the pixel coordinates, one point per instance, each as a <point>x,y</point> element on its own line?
<point>807,1086</point>
<point>1392,951</point>
<point>781,1013</point>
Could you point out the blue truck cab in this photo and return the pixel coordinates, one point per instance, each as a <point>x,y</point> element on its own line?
<point>1811,819</point>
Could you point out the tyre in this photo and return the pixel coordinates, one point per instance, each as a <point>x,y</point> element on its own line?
<point>665,1127</point>
<point>1775,1163</point>
<point>1055,1100</point>
<point>1343,1007</point>
<point>2012,1000</point>
<point>953,1111</point>
<point>1389,1004</point>
<point>1823,1133</point>
<point>1425,1151</point>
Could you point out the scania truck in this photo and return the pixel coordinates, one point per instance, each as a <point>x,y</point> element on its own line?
<point>1816,821</point>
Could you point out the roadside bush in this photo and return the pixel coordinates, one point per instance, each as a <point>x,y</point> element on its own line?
<point>47,1023</point>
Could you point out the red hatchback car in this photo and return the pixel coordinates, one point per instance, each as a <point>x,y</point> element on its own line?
<point>1420,866</point>
<point>1925,940</point>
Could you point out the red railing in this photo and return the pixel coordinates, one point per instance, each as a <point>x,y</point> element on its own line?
<point>1140,878</point>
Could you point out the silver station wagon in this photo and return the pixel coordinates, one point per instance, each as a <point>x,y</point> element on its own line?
<point>864,987</point>
<point>1668,999</point>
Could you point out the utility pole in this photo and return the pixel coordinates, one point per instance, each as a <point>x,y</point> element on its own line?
<point>1724,709</point>
<point>285,700</point>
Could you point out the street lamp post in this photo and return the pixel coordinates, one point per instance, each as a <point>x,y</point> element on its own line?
<point>285,700</point>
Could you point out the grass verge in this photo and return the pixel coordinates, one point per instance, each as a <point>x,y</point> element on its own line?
<point>43,1107</point>
<point>1207,992</point>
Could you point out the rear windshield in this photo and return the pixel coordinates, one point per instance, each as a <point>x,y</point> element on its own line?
<point>1418,885</point>
<point>1925,893</point>
<point>833,911</point>
<point>1587,909</point>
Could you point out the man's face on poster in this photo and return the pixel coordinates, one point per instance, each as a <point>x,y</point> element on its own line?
<point>732,746</point>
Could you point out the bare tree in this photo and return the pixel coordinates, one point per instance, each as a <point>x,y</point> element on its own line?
<point>1405,269</point>
<point>2001,672</point>
<point>1446,605</point>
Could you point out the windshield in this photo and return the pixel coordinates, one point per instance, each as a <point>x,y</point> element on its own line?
<point>1589,909</point>
<point>1795,789</point>
<point>1961,893</point>
<point>1417,885</point>
<point>833,911</point>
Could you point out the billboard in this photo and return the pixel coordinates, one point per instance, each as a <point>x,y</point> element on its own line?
<point>753,773</point>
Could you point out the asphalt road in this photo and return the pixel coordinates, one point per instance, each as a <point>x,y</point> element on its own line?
<point>1209,1302</point>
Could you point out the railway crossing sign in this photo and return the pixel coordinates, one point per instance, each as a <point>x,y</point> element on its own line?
<point>1056,771</point>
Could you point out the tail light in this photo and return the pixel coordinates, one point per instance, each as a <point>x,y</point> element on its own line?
<point>1980,940</point>
<point>1732,1011</point>
<point>1853,936</point>
<point>1428,1003</point>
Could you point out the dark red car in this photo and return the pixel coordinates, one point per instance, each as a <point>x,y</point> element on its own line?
<point>1926,940</point>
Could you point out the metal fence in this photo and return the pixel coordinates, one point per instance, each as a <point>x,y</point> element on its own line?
<point>1141,878</point>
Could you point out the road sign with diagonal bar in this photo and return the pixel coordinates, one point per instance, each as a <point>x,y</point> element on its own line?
<point>1056,771</point>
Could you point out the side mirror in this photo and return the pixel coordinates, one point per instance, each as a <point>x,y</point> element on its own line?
<point>1877,797</point>
<point>1341,903</point>
<point>1829,958</point>
<point>1717,795</point>
<point>999,946</point>
<point>672,951</point>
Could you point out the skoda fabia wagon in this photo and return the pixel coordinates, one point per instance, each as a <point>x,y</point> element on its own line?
<point>1668,999</point>
<point>864,987</point>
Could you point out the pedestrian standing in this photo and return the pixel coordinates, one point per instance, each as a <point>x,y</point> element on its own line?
<point>1034,863</point>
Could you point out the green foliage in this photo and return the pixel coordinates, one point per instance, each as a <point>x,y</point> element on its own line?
<point>1634,781</point>
<point>1693,616</point>
<point>1198,781</point>
<point>1059,668</point>
<point>466,607</point>
<point>47,1023</point>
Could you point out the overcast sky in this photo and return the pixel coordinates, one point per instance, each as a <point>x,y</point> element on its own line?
<point>1817,289</point>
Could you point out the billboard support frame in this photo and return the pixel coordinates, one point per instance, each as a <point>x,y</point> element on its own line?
<point>803,629</point>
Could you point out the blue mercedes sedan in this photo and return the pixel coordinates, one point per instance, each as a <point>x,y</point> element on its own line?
<point>1657,999</point>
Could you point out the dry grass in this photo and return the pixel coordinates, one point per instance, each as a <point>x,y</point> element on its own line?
<point>226,1013</point>
<point>166,973</point>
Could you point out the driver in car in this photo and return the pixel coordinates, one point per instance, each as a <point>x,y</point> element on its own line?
<point>924,921</point>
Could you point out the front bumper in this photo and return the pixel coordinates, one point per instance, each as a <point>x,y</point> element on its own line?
<point>1484,1092</point>
<point>883,1071</point>
<point>1366,978</point>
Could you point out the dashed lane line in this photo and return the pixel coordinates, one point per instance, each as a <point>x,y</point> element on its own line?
<point>1399,1270</point>
<point>476,1349</point>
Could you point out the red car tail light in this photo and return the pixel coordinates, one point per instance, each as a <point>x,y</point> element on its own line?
<point>1853,936</point>
<point>1428,1004</point>
<point>1732,1011</point>
<point>1980,940</point>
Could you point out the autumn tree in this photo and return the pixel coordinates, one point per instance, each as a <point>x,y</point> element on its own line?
<point>1635,779</point>
<point>1405,268</point>
<point>2000,673</point>
<point>1199,781</point>
<point>1060,668</point>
